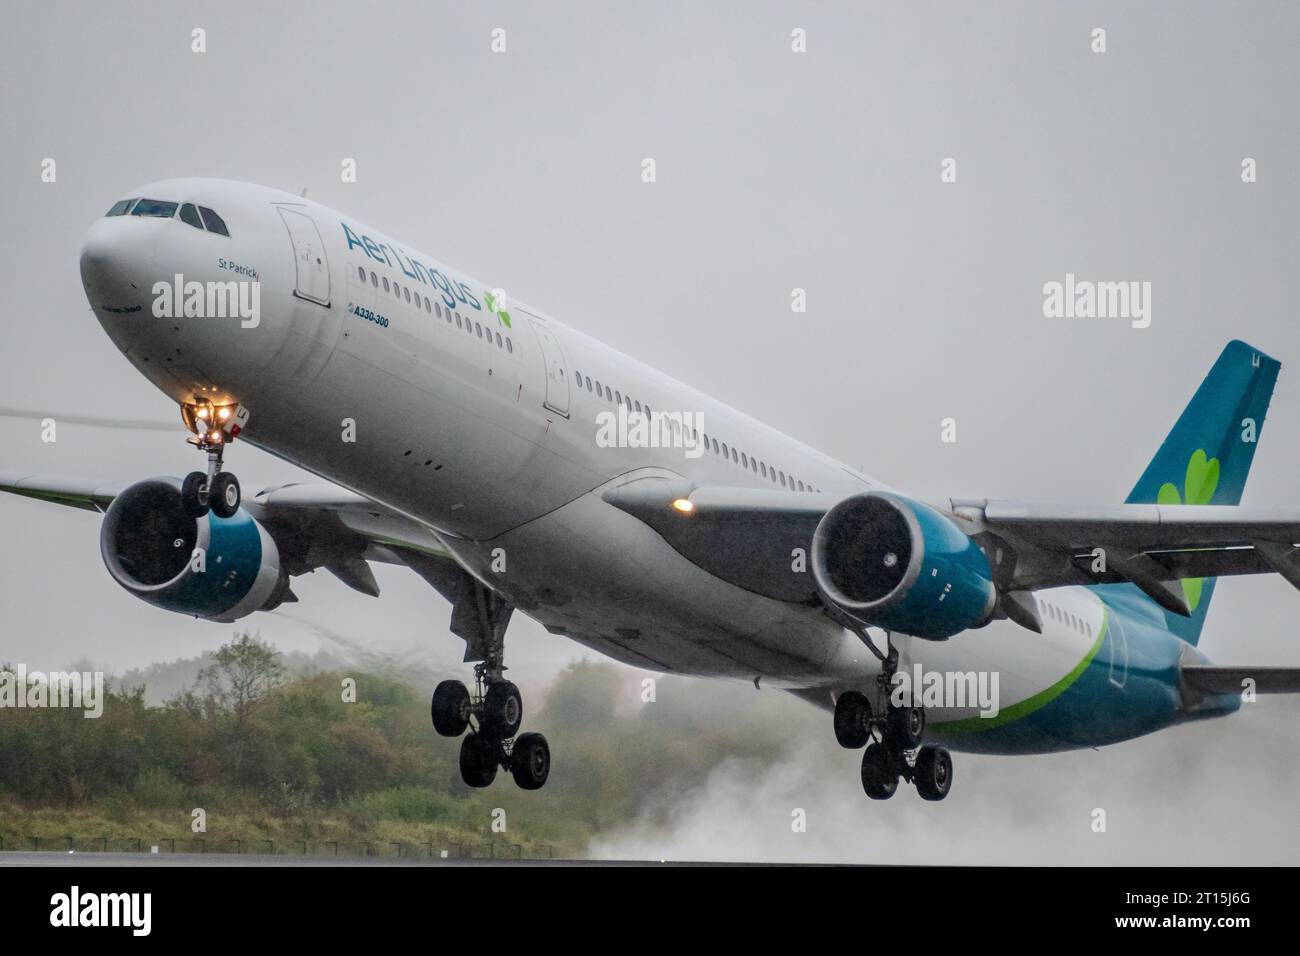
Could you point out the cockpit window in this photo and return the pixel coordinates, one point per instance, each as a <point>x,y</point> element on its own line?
<point>190,216</point>
<point>120,208</point>
<point>155,207</point>
<point>214,222</point>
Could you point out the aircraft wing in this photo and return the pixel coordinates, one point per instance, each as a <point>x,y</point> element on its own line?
<point>320,525</point>
<point>315,525</point>
<point>1149,545</point>
<point>74,492</point>
<point>749,537</point>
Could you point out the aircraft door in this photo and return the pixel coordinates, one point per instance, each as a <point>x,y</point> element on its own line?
<point>557,370</point>
<point>312,265</point>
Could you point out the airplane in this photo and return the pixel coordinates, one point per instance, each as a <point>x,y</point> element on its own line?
<point>514,462</point>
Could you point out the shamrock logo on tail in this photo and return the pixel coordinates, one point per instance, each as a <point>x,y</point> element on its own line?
<point>1198,488</point>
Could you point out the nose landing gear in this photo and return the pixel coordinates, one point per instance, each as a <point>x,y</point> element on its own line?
<point>214,427</point>
<point>892,734</point>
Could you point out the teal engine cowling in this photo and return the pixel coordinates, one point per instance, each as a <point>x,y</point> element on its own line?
<point>894,563</point>
<point>221,569</point>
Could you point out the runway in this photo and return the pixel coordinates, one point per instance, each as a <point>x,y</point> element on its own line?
<point>113,860</point>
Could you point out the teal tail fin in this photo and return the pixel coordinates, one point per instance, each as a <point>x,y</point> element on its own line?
<point>1207,455</point>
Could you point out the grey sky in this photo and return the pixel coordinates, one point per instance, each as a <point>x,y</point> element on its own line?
<point>775,170</point>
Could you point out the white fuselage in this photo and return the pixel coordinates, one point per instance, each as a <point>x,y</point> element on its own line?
<point>485,429</point>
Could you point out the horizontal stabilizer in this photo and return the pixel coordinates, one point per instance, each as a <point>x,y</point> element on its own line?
<point>1209,679</point>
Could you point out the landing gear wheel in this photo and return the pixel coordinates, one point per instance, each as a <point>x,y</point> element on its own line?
<point>503,710</point>
<point>194,494</point>
<point>933,773</point>
<point>906,727</point>
<point>450,708</point>
<point>478,760</point>
<point>530,761</point>
<point>879,773</point>
<point>852,720</point>
<point>224,496</point>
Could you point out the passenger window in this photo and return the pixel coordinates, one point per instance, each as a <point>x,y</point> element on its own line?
<point>385,283</point>
<point>498,340</point>
<point>478,329</point>
<point>598,390</point>
<point>724,450</point>
<point>638,406</point>
<point>510,346</point>
<point>155,208</point>
<point>214,222</point>
<point>406,292</point>
<point>120,208</point>
<point>744,460</point>
<point>374,280</point>
<point>734,458</point>
<point>609,394</point>
<point>361,270</point>
<point>763,468</point>
<point>457,320</point>
<point>800,485</point>
<point>190,216</point>
<point>618,398</point>
<point>428,306</point>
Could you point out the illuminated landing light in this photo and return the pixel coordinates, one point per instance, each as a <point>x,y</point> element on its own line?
<point>684,505</point>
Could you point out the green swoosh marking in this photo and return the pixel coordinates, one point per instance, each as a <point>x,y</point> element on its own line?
<point>1030,704</point>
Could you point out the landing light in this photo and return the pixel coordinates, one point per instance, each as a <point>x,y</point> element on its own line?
<point>684,505</point>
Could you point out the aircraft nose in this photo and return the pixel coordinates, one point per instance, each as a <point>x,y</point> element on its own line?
<point>113,258</point>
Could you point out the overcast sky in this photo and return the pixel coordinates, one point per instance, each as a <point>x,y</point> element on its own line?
<point>775,170</point>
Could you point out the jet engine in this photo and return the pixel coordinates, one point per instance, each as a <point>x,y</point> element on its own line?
<point>894,563</point>
<point>221,569</point>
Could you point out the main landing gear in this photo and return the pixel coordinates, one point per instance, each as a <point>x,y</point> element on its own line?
<point>214,427</point>
<point>493,715</point>
<point>892,736</point>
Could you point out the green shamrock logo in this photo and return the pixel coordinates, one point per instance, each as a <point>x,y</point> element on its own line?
<point>495,309</point>
<point>1198,488</point>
